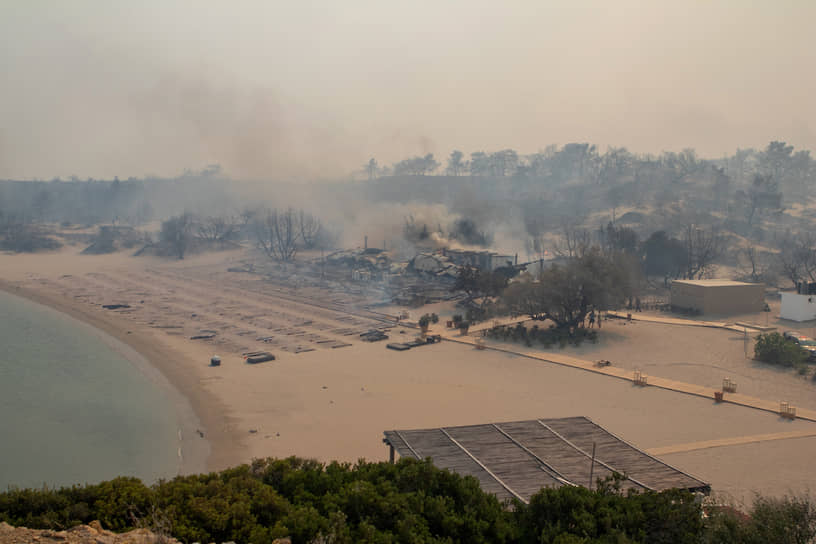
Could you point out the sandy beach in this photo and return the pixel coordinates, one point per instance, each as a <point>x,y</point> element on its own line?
<point>330,396</point>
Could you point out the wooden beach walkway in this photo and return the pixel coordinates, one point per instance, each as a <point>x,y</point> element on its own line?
<point>651,318</point>
<point>751,328</point>
<point>733,441</point>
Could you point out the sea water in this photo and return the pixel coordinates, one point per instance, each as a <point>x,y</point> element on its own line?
<point>73,409</point>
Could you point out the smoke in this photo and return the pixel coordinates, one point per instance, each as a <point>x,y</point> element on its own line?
<point>384,223</point>
<point>254,133</point>
<point>282,90</point>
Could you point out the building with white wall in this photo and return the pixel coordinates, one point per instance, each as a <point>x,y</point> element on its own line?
<point>798,307</point>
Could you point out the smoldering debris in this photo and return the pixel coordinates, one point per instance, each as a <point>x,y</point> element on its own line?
<point>381,277</point>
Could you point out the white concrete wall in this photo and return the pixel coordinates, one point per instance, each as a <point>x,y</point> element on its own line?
<point>798,307</point>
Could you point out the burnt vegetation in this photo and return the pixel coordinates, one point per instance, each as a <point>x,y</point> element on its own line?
<point>678,214</point>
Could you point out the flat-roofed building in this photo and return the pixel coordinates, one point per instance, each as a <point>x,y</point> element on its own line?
<point>719,297</point>
<point>516,459</point>
<point>801,305</point>
<point>796,307</point>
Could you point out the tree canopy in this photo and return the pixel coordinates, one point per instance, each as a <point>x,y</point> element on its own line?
<point>566,293</point>
<point>478,283</point>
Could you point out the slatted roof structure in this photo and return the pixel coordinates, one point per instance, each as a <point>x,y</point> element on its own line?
<point>518,458</point>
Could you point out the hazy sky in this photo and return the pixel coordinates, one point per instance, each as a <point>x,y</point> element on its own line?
<point>280,89</point>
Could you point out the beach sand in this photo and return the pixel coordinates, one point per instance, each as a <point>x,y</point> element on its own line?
<point>330,396</point>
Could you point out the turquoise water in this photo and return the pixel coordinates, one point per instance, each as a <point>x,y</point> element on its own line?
<point>72,408</point>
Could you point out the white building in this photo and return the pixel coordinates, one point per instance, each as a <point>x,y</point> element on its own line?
<point>798,307</point>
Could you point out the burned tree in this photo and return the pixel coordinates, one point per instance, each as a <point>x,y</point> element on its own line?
<point>278,234</point>
<point>798,258</point>
<point>703,247</point>
<point>175,233</point>
<point>214,229</point>
<point>757,265</point>
<point>311,229</point>
<point>752,259</point>
<point>573,242</point>
<point>371,168</point>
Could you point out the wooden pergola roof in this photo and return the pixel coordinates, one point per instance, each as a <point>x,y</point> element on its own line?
<point>518,458</point>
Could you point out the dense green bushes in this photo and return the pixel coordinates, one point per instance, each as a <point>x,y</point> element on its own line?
<point>547,337</point>
<point>576,514</point>
<point>775,349</point>
<point>410,501</point>
<point>368,502</point>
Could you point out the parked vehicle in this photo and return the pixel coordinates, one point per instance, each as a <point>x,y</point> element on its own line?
<point>805,342</point>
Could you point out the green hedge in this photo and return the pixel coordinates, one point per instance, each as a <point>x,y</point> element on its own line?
<point>775,349</point>
<point>547,337</point>
<point>411,502</point>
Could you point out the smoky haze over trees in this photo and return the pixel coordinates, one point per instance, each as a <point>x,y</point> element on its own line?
<point>419,114</point>
<point>677,214</point>
<point>374,81</point>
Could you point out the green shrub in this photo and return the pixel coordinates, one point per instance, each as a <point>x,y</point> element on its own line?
<point>546,337</point>
<point>427,319</point>
<point>786,519</point>
<point>410,501</point>
<point>775,349</point>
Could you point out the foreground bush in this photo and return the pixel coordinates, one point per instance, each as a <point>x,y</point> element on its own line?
<point>785,520</point>
<point>775,349</point>
<point>411,501</point>
<point>368,502</point>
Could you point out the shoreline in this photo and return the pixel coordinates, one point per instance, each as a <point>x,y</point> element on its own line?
<point>195,408</point>
<point>334,404</point>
